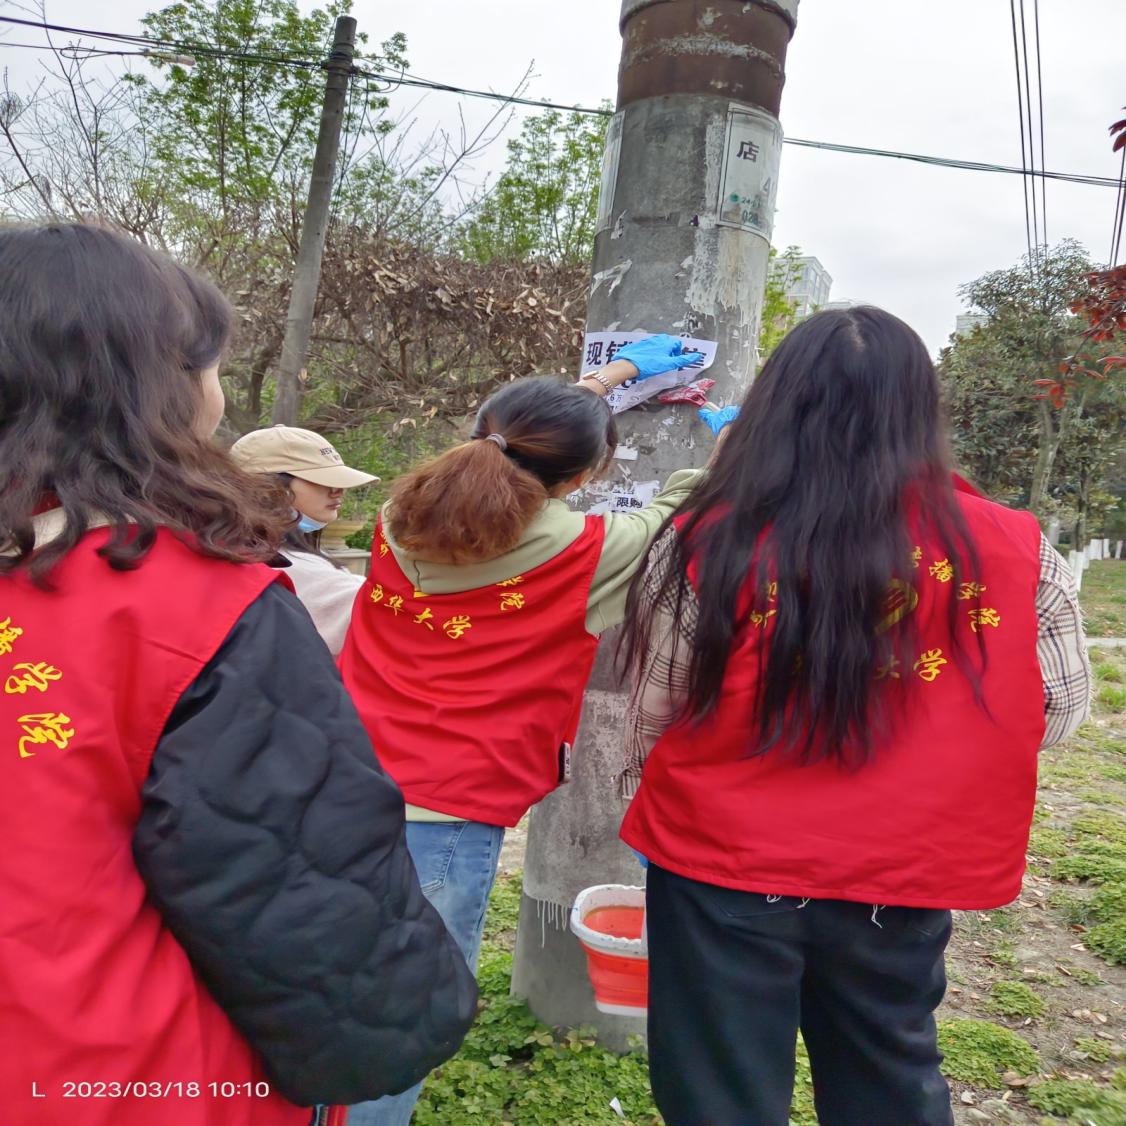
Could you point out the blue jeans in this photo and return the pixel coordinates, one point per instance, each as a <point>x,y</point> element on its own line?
<point>457,864</point>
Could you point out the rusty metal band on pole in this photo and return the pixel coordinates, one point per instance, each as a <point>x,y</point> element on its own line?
<point>734,49</point>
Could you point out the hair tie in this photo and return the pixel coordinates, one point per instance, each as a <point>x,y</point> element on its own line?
<point>499,439</point>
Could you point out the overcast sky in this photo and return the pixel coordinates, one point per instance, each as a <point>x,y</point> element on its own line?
<point>910,75</point>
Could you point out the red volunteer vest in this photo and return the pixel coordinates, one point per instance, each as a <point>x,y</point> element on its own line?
<point>102,1020</point>
<point>940,815</point>
<point>469,697</point>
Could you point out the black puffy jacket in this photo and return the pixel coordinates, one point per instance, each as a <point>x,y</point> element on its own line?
<point>273,844</point>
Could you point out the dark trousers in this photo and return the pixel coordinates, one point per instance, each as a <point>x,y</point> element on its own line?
<point>733,976</point>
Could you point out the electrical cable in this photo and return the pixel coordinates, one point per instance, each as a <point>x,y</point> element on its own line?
<point>1119,218</point>
<point>1031,137</point>
<point>393,82</point>
<point>949,162</point>
<point>153,43</point>
<point>1040,94</point>
<point>1023,149</point>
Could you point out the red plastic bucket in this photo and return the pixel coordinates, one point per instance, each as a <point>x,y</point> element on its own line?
<point>609,921</point>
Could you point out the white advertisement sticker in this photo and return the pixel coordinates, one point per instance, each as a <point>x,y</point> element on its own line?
<point>748,185</point>
<point>610,158</point>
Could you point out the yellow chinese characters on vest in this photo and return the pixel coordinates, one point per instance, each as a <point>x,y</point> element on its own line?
<point>36,729</point>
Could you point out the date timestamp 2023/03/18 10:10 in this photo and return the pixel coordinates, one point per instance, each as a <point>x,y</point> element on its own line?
<point>152,1089</point>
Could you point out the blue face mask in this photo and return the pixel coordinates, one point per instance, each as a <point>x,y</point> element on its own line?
<point>305,524</point>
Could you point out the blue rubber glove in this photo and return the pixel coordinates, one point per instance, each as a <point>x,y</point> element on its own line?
<point>641,858</point>
<point>656,355</point>
<point>717,420</point>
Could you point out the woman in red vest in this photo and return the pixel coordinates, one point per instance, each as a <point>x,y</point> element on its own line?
<point>847,662</point>
<point>473,638</point>
<point>195,827</point>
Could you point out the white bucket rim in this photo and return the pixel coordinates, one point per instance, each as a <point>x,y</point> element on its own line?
<point>608,895</point>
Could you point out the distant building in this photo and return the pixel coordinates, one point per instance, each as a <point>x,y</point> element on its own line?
<point>808,282</point>
<point>846,303</point>
<point>967,322</point>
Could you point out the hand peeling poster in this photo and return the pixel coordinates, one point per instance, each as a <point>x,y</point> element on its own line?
<point>599,348</point>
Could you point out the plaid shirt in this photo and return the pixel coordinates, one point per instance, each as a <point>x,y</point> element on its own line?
<point>662,680</point>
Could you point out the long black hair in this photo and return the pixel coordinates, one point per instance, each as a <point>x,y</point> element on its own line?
<point>839,437</point>
<point>474,502</point>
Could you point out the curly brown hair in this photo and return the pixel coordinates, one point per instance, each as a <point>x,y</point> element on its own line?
<point>102,342</point>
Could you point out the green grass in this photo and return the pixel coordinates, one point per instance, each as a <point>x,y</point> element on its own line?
<point>1081,975</point>
<point>1113,697</point>
<point>1015,999</point>
<point>1103,597</point>
<point>514,1069</point>
<point>980,1052</point>
<point>1091,848</point>
<point>1073,906</point>
<point>1097,1051</point>
<point>1108,940</point>
<point>1050,844</point>
<point>1080,1101</point>
<point>1107,672</point>
<point>1097,866</point>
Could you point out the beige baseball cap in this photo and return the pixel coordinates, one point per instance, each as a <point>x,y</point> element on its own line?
<point>300,453</point>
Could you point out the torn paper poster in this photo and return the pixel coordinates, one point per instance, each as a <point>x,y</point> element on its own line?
<point>637,495</point>
<point>599,348</point>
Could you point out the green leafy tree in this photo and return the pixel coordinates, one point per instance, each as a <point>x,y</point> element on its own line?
<point>1025,431</point>
<point>1030,320</point>
<point>239,132</point>
<point>779,311</point>
<point>545,204</point>
<point>992,414</point>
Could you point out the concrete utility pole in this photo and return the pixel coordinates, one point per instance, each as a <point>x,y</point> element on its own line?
<point>687,204</point>
<point>314,228</point>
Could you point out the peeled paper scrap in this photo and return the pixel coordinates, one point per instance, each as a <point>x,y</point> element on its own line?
<point>695,393</point>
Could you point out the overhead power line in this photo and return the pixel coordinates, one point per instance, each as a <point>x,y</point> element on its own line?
<point>949,162</point>
<point>1119,218</point>
<point>146,45</point>
<point>1037,242</point>
<point>1040,95</point>
<point>1024,162</point>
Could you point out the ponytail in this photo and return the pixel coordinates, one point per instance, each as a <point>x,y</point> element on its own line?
<point>475,502</point>
<point>468,505</point>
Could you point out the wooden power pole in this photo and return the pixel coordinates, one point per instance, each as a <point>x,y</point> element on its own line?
<point>314,228</point>
<point>689,180</point>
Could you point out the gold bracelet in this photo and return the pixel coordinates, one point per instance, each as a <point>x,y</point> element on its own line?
<point>598,378</point>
